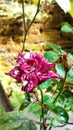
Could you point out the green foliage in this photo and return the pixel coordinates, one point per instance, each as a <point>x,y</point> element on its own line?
<point>69,78</point>
<point>70,59</point>
<point>16,121</point>
<point>60,70</point>
<point>52,121</point>
<point>28,125</point>
<point>47,99</point>
<point>56,48</point>
<point>17,98</point>
<point>62,114</point>
<point>27,96</point>
<point>26,102</point>
<point>51,56</point>
<point>35,109</point>
<point>45,84</point>
<point>69,104</point>
<point>1,111</point>
<point>67,93</point>
<point>67,129</point>
<point>24,105</point>
<point>66,27</point>
<point>64,103</point>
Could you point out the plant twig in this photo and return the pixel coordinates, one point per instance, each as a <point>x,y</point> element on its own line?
<point>24,26</point>
<point>27,29</point>
<point>70,123</point>
<point>23,10</point>
<point>42,114</point>
<point>62,83</point>
<point>38,6</point>
<point>62,125</point>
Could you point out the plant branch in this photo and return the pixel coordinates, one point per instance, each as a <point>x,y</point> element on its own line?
<point>24,25</point>
<point>70,123</point>
<point>38,6</point>
<point>23,10</point>
<point>62,83</point>
<point>27,29</point>
<point>42,114</point>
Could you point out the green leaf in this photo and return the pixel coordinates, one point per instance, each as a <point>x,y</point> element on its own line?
<point>28,125</point>
<point>51,106</point>
<point>1,111</point>
<point>67,93</point>
<point>10,124</point>
<point>17,99</point>
<point>45,84</point>
<point>69,78</point>
<point>61,99</point>
<point>52,121</point>
<point>55,47</point>
<point>70,59</point>
<point>68,129</point>
<point>46,99</point>
<point>35,109</point>
<point>60,70</point>
<point>69,104</point>
<point>27,96</point>
<point>51,56</point>
<point>16,120</point>
<point>62,114</point>
<point>66,27</point>
<point>24,105</point>
<point>11,120</point>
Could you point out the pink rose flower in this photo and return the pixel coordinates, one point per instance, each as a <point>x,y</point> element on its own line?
<point>32,70</point>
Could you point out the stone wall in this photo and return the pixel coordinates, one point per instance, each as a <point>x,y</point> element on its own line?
<point>43,31</point>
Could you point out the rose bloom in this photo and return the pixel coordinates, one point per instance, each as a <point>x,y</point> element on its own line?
<point>31,70</point>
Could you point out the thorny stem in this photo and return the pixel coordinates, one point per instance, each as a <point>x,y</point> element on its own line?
<point>24,26</point>
<point>25,35</point>
<point>23,10</point>
<point>38,6</point>
<point>62,83</point>
<point>70,123</point>
<point>42,113</point>
<point>27,29</point>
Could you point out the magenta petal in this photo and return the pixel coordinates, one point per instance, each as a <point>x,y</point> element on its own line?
<point>53,75</point>
<point>32,70</point>
<point>20,59</point>
<point>32,82</point>
<point>25,67</point>
<point>30,86</point>
<point>48,75</point>
<point>15,73</point>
